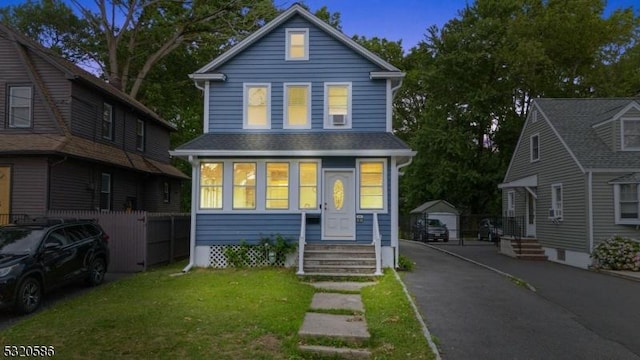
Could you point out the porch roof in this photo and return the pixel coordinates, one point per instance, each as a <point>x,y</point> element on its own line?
<point>296,144</point>
<point>529,181</point>
<point>633,178</point>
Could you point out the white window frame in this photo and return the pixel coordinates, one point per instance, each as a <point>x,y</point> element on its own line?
<point>622,121</point>
<point>245,105</point>
<point>385,186</point>
<point>255,185</point>
<point>266,176</point>
<point>618,209</point>
<point>511,203</point>
<point>109,136</point>
<point>328,123</point>
<point>140,135</point>
<point>531,157</point>
<point>10,121</point>
<point>222,186</point>
<point>285,109</point>
<point>289,31</point>
<point>261,186</point>
<point>558,210</point>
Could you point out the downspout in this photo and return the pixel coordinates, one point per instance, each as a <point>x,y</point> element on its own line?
<point>396,212</point>
<point>192,236</point>
<point>590,212</point>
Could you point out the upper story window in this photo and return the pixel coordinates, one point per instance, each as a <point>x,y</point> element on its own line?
<point>211,181</point>
<point>337,100</point>
<point>20,103</point>
<point>297,100</point>
<point>107,121</point>
<point>556,202</point>
<point>371,181</point>
<point>277,185</point>
<point>140,135</point>
<point>257,106</point>
<point>534,143</point>
<point>297,44</point>
<point>631,134</point>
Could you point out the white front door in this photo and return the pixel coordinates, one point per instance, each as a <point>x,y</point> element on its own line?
<point>531,215</point>
<point>338,205</point>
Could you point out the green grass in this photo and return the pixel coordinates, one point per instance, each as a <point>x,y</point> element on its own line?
<point>215,314</point>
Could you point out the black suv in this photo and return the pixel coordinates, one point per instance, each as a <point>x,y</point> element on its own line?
<point>37,255</point>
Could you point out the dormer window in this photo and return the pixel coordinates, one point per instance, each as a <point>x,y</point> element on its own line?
<point>630,133</point>
<point>297,44</point>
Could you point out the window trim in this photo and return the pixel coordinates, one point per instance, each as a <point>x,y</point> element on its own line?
<point>554,201</point>
<point>109,193</point>
<point>11,108</point>
<point>328,124</point>
<point>111,121</point>
<point>531,158</point>
<point>255,185</point>
<point>285,107</point>
<point>221,186</point>
<point>385,186</point>
<point>317,185</point>
<point>617,208</point>
<point>245,105</point>
<point>227,190</point>
<point>267,186</point>
<point>288,32</point>
<point>140,137</point>
<point>622,121</point>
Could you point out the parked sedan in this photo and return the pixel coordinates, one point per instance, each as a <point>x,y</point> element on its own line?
<point>432,230</point>
<point>489,230</point>
<point>37,256</point>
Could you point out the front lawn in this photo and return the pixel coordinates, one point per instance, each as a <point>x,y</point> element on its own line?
<point>216,314</point>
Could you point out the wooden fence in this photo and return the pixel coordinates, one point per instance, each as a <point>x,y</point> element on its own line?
<point>139,239</point>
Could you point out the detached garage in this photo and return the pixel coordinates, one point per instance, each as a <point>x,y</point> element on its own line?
<point>441,210</point>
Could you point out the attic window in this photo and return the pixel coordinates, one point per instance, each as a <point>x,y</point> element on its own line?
<point>297,44</point>
<point>631,134</point>
<point>534,116</point>
<point>535,147</point>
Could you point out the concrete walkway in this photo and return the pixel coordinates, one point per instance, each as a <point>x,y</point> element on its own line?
<point>350,326</point>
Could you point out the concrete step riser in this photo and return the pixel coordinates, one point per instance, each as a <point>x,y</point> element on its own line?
<point>338,255</point>
<point>338,270</point>
<point>340,247</point>
<point>340,262</point>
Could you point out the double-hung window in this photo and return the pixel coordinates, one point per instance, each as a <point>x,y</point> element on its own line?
<point>371,185</point>
<point>556,202</point>
<point>107,121</point>
<point>297,106</point>
<point>535,147</point>
<point>244,185</point>
<point>277,185</point>
<point>20,101</point>
<point>297,44</point>
<point>626,197</point>
<point>257,106</point>
<point>630,133</point>
<point>105,191</point>
<point>140,135</point>
<point>308,185</point>
<point>337,99</point>
<point>211,180</point>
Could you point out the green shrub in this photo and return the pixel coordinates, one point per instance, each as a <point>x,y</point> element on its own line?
<point>405,264</point>
<point>617,253</point>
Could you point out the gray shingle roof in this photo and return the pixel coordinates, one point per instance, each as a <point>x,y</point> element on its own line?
<point>573,119</point>
<point>294,142</point>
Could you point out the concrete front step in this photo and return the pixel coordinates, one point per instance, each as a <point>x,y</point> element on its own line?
<point>338,253</point>
<point>340,269</point>
<point>343,353</point>
<point>340,247</point>
<point>312,261</point>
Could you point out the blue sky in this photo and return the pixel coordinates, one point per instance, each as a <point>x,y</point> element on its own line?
<point>404,19</point>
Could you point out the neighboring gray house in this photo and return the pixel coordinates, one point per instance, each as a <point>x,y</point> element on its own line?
<point>575,174</point>
<point>297,141</point>
<point>441,210</point>
<point>70,141</point>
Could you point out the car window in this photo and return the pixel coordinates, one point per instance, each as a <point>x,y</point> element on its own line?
<point>19,240</point>
<point>91,229</point>
<point>57,237</point>
<point>77,233</point>
<point>434,222</point>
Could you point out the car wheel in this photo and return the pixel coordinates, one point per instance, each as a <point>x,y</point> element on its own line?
<point>97,270</point>
<point>29,296</point>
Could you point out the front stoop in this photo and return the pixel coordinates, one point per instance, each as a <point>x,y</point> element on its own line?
<point>339,260</point>
<point>526,249</point>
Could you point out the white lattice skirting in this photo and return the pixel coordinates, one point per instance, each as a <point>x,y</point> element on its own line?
<point>256,257</point>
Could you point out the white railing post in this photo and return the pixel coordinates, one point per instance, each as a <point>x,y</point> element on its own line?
<point>301,243</point>
<point>376,243</point>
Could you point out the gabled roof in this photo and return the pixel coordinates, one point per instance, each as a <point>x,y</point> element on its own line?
<point>574,119</point>
<point>76,73</point>
<point>435,206</point>
<point>326,143</point>
<point>296,9</point>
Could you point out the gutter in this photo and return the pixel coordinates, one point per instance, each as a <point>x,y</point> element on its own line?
<point>192,236</point>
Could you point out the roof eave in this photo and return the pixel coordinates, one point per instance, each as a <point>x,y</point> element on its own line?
<point>291,153</point>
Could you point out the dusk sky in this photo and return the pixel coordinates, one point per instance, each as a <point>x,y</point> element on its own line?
<point>404,19</point>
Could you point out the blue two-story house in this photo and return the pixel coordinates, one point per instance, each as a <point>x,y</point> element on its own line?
<point>297,142</point>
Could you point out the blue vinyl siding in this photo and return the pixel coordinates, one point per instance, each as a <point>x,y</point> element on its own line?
<point>329,61</point>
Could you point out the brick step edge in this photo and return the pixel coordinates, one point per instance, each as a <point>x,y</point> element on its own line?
<point>346,353</point>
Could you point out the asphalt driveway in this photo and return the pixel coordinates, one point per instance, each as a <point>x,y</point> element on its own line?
<point>476,313</point>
